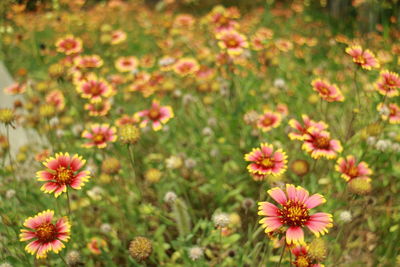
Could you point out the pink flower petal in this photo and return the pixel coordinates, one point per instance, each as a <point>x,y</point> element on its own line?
<point>278,195</point>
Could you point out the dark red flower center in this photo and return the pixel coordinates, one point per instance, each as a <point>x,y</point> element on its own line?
<point>322,142</point>
<point>267,162</point>
<point>46,232</point>
<point>352,171</point>
<point>99,138</point>
<point>154,114</point>
<point>95,89</point>
<point>294,213</point>
<point>64,175</point>
<point>302,261</point>
<point>232,42</point>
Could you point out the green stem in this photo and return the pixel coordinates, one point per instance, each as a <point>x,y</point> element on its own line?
<point>283,252</point>
<point>69,204</point>
<point>63,260</point>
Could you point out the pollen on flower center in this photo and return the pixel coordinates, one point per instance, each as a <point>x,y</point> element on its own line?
<point>95,89</point>
<point>154,114</point>
<point>267,162</point>
<point>267,121</point>
<point>294,214</point>
<point>98,138</point>
<point>353,171</point>
<point>302,261</point>
<point>46,232</point>
<point>232,43</point>
<point>322,142</point>
<point>64,175</point>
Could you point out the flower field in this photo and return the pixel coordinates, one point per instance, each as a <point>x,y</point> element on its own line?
<point>166,133</point>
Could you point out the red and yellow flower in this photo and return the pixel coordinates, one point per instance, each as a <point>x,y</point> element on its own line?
<point>88,61</point>
<point>393,112</point>
<point>56,99</point>
<point>303,129</point>
<point>388,83</point>
<point>265,161</point>
<point>364,58</point>
<point>99,135</point>
<point>294,213</point>
<point>94,88</point>
<point>62,171</point>
<point>327,91</point>
<point>117,37</point>
<point>350,169</point>
<point>126,64</point>
<point>269,120</point>
<point>233,42</point>
<point>302,259</point>
<point>15,89</point>
<point>98,108</point>
<point>69,45</point>
<point>157,115</point>
<point>320,144</point>
<point>46,235</point>
<point>186,66</point>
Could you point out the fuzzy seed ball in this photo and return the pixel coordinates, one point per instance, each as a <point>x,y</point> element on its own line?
<point>111,166</point>
<point>300,167</point>
<point>140,248</point>
<point>360,186</point>
<point>153,175</point>
<point>7,115</point>
<point>129,134</point>
<point>195,253</point>
<point>317,249</point>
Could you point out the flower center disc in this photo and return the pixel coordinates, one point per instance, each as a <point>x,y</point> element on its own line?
<point>267,162</point>
<point>322,142</point>
<point>301,261</point>
<point>46,232</point>
<point>154,114</point>
<point>64,175</point>
<point>353,171</point>
<point>294,214</point>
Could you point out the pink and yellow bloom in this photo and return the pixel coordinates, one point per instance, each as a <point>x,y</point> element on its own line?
<point>99,135</point>
<point>89,61</point>
<point>126,64</point>
<point>302,259</point>
<point>320,144</point>
<point>94,88</point>
<point>45,235</point>
<point>157,115</point>
<point>61,172</point>
<point>364,58</point>
<point>56,99</point>
<point>388,83</point>
<point>269,120</point>
<point>303,129</point>
<point>118,37</point>
<point>294,213</point>
<point>350,169</point>
<point>327,91</point>
<point>15,89</point>
<point>186,66</point>
<point>265,161</point>
<point>98,108</point>
<point>69,45</point>
<point>233,42</point>
<point>392,114</point>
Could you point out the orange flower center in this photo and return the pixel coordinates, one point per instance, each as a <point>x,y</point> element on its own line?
<point>360,59</point>
<point>294,213</point>
<point>69,44</point>
<point>302,261</point>
<point>98,138</point>
<point>231,42</point>
<point>324,90</point>
<point>267,162</point>
<point>95,89</point>
<point>64,175</point>
<point>353,171</point>
<point>46,232</point>
<point>154,114</point>
<point>322,142</point>
<point>267,121</point>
